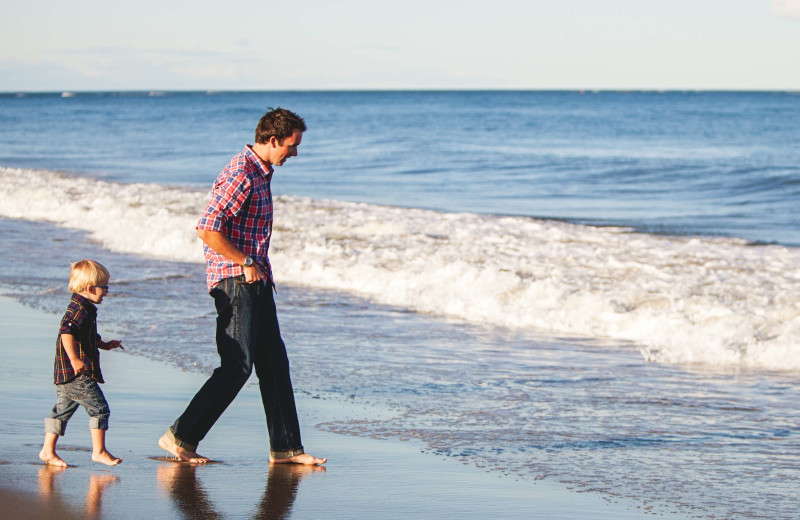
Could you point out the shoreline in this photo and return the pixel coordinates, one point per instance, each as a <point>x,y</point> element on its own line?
<point>364,478</point>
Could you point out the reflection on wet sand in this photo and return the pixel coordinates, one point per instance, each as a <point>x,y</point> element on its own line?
<point>282,483</point>
<point>94,495</point>
<point>179,480</point>
<point>50,498</point>
<point>191,499</point>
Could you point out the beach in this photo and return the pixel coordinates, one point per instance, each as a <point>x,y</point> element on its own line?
<point>603,320</point>
<point>364,478</point>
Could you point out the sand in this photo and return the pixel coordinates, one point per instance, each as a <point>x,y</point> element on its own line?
<point>364,478</point>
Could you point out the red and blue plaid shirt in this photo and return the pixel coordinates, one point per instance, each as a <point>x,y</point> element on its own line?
<point>240,208</point>
<point>80,322</point>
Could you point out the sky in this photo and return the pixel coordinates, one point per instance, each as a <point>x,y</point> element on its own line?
<point>90,45</point>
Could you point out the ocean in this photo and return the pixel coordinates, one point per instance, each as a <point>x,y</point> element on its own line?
<point>598,288</point>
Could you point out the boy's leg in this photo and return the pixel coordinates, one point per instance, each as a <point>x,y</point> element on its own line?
<point>99,451</point>
<point>55,424</point>
<point>83,390</point>
<point>235,329</point>
<point>97,407</point>
<point>48,453</point>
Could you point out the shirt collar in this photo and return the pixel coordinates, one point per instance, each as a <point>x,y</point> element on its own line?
<point>83,301</point>
<point>264,168</point>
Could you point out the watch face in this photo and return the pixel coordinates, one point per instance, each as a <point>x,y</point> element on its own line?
<point>248,261</point>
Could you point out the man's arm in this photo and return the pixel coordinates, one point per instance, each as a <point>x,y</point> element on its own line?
<point>217,241</point>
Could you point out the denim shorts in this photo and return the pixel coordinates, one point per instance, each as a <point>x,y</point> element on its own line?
<point>81,391</point>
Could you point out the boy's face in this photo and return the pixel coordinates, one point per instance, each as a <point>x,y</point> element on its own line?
<point>96,292</point>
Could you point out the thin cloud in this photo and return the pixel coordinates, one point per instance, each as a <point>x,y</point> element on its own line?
<point>125,52</point>
<point>788,8</point>
<point>96,62</point>
<point>378,48</point>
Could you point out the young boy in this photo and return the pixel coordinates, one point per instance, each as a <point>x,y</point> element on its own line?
<point>77,365</point>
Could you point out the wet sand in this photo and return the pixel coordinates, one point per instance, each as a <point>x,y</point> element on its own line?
<point>364,478</point>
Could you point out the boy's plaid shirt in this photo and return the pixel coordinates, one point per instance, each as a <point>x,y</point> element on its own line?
<point>240,208</point>
<point>80,322</point>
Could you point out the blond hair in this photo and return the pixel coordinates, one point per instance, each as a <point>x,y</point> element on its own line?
<point>85,273</point>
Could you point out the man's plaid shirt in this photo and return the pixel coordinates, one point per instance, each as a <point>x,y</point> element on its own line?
<point>240,208</point>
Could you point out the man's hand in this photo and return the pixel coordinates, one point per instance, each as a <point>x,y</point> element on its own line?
<point>253,274</point>
<point>222,245</point>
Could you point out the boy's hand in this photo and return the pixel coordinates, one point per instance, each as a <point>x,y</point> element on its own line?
<point>79,366</point>
<point>114,343</point>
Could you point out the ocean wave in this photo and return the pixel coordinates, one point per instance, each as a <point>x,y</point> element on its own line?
<point>714,301</point>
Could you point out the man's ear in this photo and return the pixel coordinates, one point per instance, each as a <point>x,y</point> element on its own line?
<point>273,141</point>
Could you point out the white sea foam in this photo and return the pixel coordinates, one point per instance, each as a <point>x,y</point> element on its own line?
<point>683,300</point>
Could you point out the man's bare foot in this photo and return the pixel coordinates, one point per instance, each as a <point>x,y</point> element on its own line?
<point>104,457</point>
<point>51,458</point>
<point>167,444</point>
<point>303,458</point>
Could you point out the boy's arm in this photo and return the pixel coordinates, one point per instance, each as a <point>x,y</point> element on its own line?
<point>109,345</point>
<point>68,342</point>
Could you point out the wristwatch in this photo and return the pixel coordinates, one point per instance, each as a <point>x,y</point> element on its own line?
<point>249,262</point>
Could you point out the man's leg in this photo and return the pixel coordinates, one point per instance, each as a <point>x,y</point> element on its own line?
<point>272,369</point>
<point>235,326</point>
<point>277,394</point>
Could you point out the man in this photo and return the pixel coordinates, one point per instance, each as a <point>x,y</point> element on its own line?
<point>236,229</point>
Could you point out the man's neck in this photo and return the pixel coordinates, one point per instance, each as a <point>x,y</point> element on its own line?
<point>260,149</point>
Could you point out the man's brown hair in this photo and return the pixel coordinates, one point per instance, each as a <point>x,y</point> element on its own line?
<point>280,123</point>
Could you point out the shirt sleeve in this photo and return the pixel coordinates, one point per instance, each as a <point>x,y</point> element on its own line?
<point>227,200</point>
<point>71,322</point>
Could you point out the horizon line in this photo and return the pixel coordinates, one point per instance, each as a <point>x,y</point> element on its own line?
<point>378,90</point>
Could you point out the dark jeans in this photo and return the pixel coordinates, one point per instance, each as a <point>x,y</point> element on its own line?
<point>247,336</point>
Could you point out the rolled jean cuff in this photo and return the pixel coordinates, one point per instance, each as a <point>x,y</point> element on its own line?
<point>54,426</point>
<point>98,423</point>
<point>179,443</point>
<point>286,454</point>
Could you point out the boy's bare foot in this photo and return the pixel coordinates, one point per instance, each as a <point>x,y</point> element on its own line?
<point>104,457</point>
<point>51,458</point>
<point>303,458</point>
<point>167,444</point>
